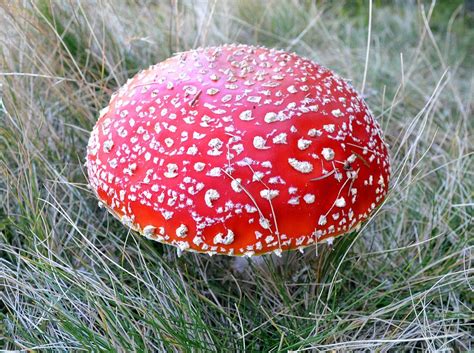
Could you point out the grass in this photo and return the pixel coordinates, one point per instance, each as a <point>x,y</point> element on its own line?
<point>73,278</point>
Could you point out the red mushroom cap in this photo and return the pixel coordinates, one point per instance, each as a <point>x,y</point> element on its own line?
<point>238,150</point>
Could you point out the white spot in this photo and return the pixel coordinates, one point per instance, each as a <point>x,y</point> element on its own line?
<point>337,113</point>
<point>199,166</point>
<point>172,170</point>
<point>130,169</point>
<point>246,115</point>
<point>107,146</point>
<point>329,128</point>
<point>308,198</point>
<point>157,128</point>
<point>226,98</point>
<point>371,179</point>
<point>328,153</point>
<point>257,176</point>
<point>264,223</point>
<point>182,245</point>
<point>198,136</point>
<point>301,166</point>
<point>340,202</point>
<point>122,131</point>
<point>300,241</point>
<point>182,231</point>
<point>322,220</point>
<point>126,220</point>
<point>212,91</point>
<point>269,239</point>
<point>276,180</point>
<point>238,148</point>
<point>381,181</point>
<point>210,196</point>
<point>250,209</point>
<point>254,99</point>
<point>295,200</point>
<point>214,172</point>
<point>269,194</point>
<point>236,185</point>
<point>193,150</point>
<point>314,133</point>
<point>259,143</point>
<point>231,86</point>
<point>292,89</point>
<point>198,240</point>
<point>113,163</point>
<point>215,143</point>
<point>271,117</point>
<point>214,152</point>
<point>228,239</point>
<point>148,231</point>
<point>303,144</point>
<point>280,138</point>
<point>350,214</point>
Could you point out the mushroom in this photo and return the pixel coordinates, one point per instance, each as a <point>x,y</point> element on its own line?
<point>238,150</point>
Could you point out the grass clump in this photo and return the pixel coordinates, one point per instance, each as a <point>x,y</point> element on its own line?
<point>72,278</point>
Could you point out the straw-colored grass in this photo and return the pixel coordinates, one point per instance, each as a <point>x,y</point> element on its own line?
<point>73,278</point>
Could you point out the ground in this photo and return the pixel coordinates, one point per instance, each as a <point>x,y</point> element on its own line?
<point>73,278</point>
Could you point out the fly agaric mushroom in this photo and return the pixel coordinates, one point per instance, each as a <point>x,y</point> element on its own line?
<point>238,150</point>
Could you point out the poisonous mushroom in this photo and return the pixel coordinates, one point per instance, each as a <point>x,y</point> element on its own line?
<point>238,150</point>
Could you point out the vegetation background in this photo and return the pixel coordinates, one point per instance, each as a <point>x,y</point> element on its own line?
<point>73,278</point>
